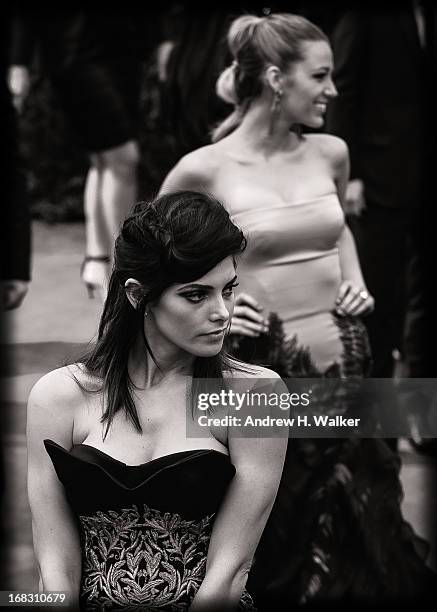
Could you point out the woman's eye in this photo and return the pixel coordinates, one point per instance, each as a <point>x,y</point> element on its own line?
<point>228,291</point>
<point>195,298</point>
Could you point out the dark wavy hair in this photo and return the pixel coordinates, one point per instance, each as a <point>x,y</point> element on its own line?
<point>176,238</point>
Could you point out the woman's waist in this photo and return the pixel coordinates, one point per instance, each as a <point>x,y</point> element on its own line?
<point>290,295</point>
<point>138,526</point>
<point>300,285</point>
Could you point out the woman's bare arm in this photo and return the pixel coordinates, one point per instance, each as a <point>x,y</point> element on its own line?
<point>353,297</point>
<point>242,517</point>
<point>55,536</point>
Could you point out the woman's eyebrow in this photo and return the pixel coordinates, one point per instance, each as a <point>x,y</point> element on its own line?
<point>201,286</point>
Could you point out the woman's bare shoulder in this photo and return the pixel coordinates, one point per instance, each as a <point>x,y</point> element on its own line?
<point>55,402</point>
<point>208,154</point>
<point>332,147</point>
<point>63,386</point>
<point>195,170</point>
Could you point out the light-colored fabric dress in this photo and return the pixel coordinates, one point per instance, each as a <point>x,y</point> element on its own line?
<point>292,267</point>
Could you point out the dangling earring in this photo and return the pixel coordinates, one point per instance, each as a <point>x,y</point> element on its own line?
<point>275,108</point>
<point>142,307</point>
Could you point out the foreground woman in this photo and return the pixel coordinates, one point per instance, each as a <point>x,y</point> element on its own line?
<point>129,512</point>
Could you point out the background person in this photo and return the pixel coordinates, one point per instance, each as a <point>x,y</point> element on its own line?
<point>94,62</point>
<point>298,309</point>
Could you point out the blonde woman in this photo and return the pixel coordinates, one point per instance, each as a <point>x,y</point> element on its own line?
<point>300,280</point>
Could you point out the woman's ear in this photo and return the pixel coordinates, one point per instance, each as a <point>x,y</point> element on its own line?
<point>134,292</point>
<point>273,78</point>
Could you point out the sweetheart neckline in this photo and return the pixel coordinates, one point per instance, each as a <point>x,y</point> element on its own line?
<point>192,455</point>
<point>139,465</point>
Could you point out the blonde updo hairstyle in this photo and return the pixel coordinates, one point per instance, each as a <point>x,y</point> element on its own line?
<point>255,43</point>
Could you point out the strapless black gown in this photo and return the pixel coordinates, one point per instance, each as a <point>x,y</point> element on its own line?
<point>144,529</point>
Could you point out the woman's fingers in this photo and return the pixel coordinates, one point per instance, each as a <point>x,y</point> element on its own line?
<point>356,306</point>
<point>246,318</point>
<point>237,328</point>
<point>353,300</point>
<point>364,303</point>
<point>342,292</point>
<point>245,312</point>
<point>367,306</point>
<point>259,328</point>
<point>245,298</point>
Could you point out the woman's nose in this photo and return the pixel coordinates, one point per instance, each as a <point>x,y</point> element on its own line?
<point>331,90</point>
<point>220,311</point>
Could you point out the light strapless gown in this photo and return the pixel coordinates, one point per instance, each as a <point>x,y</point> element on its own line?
<point>292,267</point>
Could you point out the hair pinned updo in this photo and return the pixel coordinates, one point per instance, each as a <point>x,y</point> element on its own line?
<point>176,238</point>
<point>255,43</point>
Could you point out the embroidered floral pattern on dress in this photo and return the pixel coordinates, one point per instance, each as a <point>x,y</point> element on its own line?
<point>142,559</point>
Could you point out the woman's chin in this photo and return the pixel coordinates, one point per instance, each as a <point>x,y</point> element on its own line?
<point>314,122</point>
<point>318,122</point>
<point>208,351</point>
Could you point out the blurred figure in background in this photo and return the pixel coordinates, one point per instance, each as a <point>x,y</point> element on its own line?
<point>94,61</point>
<point>15,235</point>
<point>197,56</point>
<point>15,244</point>
<point>385,72</point>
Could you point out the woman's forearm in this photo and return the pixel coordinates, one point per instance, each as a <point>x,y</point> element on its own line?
<point>52,579</point>
<point>220,593</point>
<point>349,262</point>
<point>240,521</point>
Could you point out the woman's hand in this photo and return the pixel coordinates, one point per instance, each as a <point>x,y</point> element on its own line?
<point>353,300</point>
<point>247,319</point>
<point>18,80</point>
<point>12,293</point>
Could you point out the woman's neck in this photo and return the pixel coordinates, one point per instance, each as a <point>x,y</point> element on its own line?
<point>258,133</point>
<point>170,361</point>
